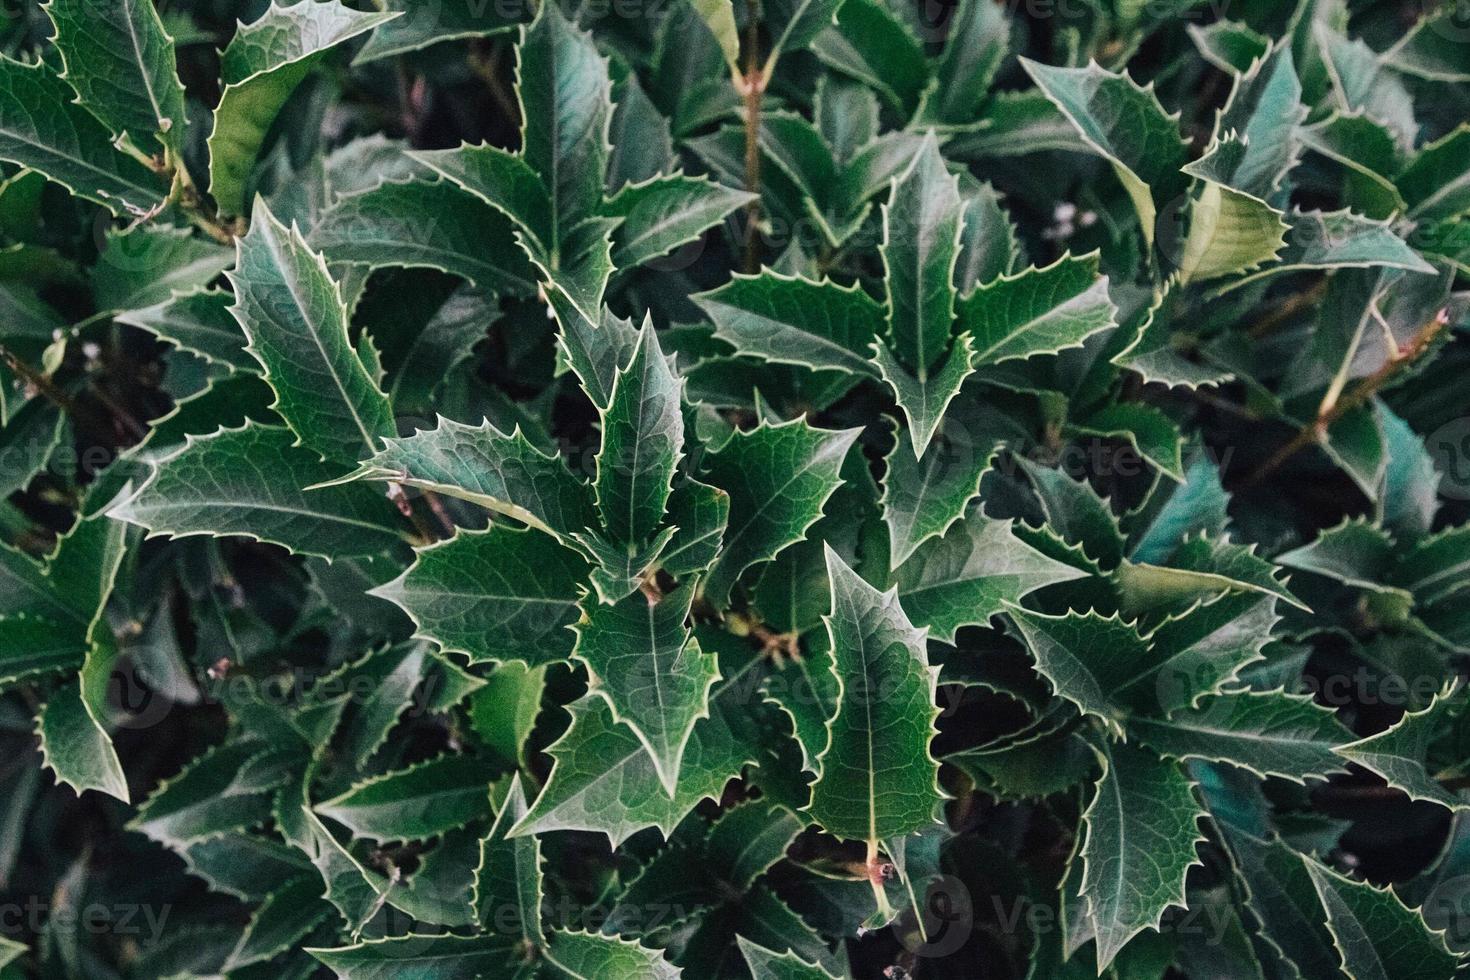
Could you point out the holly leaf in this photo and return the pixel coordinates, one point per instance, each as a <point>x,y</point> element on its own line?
<point>1037,311</point>
<point>1374,933</point>
<point>792,320</point>
<point>423,954</point>
<point>293,313</point>
<point>924,496</point>
<point>665,213</point>
<point>1270,733</point>
<point>263,64</point>
<point>420,26</point>
<point>249,482</point>
<point>75,746</point>
<point>587,954</point>
<point>199,322</point>
<point>878,779</point>
<point>1397,753</point>
<point>1141,835</point>
<point>1087,658</point>
<point>508,889</point>
<point>921,244</point>
<point>497,595</point>
<point>424,224</point>
<point>151,264</point>
<point>121,61</point>
<point>503,473</point>
<point>604,778</point>
<point>767,965</point>
<point>925,396</point>
<point>1124,124</point>
<point>972,573</point>
<point>414,803</point>
<point>779,477</point>
<point>642,443</point>
<point>642,660</point>
<point>43,129</point>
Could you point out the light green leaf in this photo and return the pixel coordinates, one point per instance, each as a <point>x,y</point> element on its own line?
<point>261,67</point>
<point>1230,232</point>
<point>1199,568</point>
<point>878,778</point>
<point>591,956</point>
<point>719,17</point>
<point>292,310</point>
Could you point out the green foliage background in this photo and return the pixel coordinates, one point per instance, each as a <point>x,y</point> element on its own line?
<point>791,489</point>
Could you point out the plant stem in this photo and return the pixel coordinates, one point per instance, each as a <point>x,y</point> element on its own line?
<point>753,88</point>
<point>1288,308</point>
<point>1316,430</point>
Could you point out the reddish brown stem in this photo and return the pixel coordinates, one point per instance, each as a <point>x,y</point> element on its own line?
<point>1316,430</point>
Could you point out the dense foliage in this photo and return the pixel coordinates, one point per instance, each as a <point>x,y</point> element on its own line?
<point>791,489</point>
